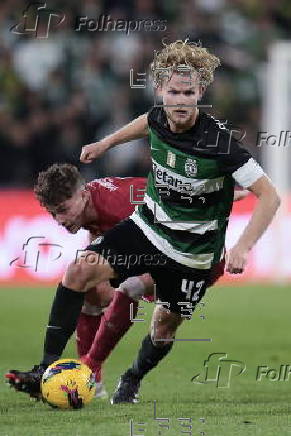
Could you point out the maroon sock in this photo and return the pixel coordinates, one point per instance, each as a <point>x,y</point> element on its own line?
<point>86,331</point>
<point>114,324</point>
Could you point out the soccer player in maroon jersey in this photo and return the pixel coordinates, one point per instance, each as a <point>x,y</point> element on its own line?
<point>96,206</point>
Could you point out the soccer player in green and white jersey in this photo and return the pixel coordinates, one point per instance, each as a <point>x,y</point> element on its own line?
<point>195,164</point>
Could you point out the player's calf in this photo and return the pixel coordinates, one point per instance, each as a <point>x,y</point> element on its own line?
<point>68,303</point>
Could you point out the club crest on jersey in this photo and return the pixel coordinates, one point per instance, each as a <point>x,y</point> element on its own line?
<point>97,241</point>
<point>171,159</point>
<point>191,167</point>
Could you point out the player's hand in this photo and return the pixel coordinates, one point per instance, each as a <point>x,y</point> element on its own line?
<point>91,152</point>
<point>236,260</point>
<point>240,194</point>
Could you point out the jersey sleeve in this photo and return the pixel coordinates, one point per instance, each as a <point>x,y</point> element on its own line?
<point>248,173</point>
<point>241,165</point>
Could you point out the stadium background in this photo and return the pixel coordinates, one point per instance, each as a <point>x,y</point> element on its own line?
<point>59,93</point>
<point>73,87</point>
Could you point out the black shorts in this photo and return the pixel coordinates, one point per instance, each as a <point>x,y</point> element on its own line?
<point>130,253</point>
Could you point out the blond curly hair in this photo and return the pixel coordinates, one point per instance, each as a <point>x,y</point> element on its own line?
<point>183,56</point>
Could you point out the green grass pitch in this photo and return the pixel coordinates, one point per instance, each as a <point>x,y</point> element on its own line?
<point>251,324</point>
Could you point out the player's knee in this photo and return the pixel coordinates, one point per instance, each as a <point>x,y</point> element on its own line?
<point>87,272</point>
<point>78,276</point>
<point>164,326</point>
<point>162,338</point>
<point>75,277</point>
<point>162,334</point>
<point>133,287</point>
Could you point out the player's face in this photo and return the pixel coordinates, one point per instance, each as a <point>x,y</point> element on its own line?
<point>180,95</point>
<point>70,213</point>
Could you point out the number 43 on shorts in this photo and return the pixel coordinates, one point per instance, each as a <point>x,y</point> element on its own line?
<point>192,289</point>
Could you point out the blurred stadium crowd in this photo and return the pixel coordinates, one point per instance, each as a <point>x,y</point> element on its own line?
<point>72,88</point>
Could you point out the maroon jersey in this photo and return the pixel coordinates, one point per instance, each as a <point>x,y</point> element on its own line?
<point>115,198</point>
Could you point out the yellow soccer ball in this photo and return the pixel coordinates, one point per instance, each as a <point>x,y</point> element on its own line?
<point>68,384</point>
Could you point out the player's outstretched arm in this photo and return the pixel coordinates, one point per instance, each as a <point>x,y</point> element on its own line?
<point>138,128</point>
<point>268,203</point>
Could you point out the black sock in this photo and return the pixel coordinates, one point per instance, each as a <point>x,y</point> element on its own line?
<point>62,322</point>
<point>149,356</point>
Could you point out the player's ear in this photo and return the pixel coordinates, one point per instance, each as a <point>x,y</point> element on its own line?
<point>159,91</point>
<point>85,193</point>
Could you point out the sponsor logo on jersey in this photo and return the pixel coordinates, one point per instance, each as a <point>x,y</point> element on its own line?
<point>163,178</point>
<point>171,159</point>
<point>168,179</point>
<point>191,167</point>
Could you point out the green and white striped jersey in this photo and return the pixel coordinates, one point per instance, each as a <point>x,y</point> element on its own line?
<point>190,189</point>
